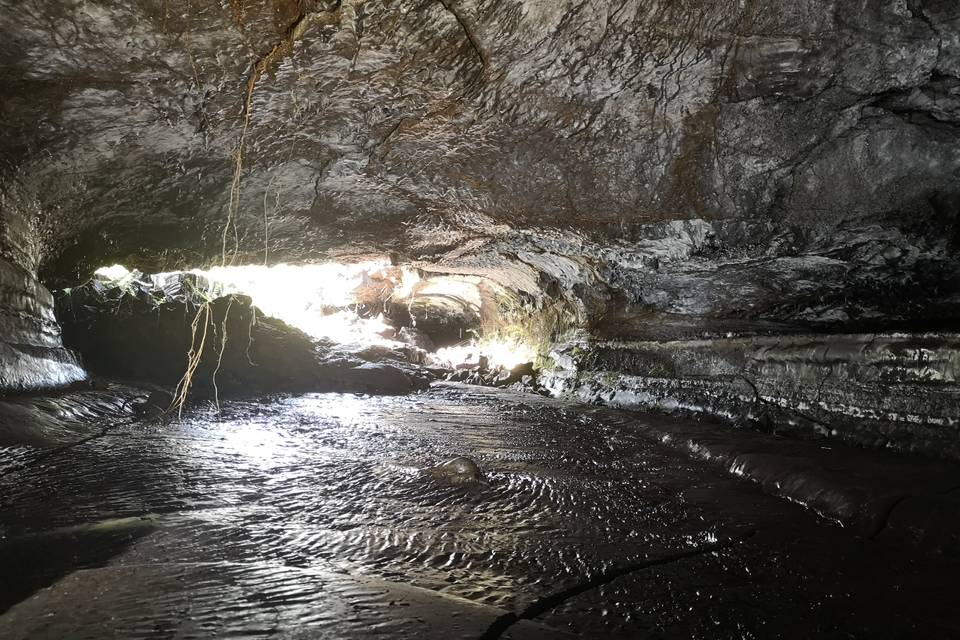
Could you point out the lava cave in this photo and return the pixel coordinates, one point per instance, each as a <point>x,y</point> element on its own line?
<point>479,319</point>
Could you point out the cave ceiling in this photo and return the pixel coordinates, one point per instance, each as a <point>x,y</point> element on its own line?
<point>691,157</point>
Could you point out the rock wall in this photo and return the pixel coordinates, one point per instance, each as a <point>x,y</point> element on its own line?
<point>657,170</point>
<point>32,356</point>
<point>895,391</point>
<point>424,127</point>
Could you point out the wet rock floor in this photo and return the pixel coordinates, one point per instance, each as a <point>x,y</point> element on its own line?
<point>312,517</point>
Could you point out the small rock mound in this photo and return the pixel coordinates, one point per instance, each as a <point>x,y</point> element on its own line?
<point>522,377</point>
<point>155,405</point>
<point>460,470</point>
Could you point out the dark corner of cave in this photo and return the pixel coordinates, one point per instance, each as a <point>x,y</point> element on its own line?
<point>479,319</point>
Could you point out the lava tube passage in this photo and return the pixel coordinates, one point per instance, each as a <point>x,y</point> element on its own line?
<point>529,319</point>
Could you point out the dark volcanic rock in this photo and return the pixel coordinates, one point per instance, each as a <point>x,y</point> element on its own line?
<point>32,356</point>
<point>155,405</point>
<point>522,377</point>
<point>59,418</point>
<point>783,161</point>
<point>379,353</point>
<point>378,378</point>
<point>644,170</point>
<point>416,338</point>
<point>518,373</point>
<point>127,333</point>
<point>460,470</point>
<point>887,391</point>
<point>124,334</point>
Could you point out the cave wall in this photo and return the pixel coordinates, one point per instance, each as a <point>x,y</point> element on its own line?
<point>32,356</point>
<point>803,128</point>
<point>896,391</point>
<point>646,170</point>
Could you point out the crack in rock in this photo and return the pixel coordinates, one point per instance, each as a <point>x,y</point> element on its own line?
<point>471,36</point>
<point>542,605</point>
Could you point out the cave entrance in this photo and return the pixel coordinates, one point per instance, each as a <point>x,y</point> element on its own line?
<point>374,326</point>
<point>341,303</point>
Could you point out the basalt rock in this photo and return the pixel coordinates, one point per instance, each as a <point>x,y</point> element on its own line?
<point>136,333</point>
<point>894,391</point>
<point>32,357</point>
<point>460,470</point>
<point>375,378</point>
<point>61,418</point>
<point>124,333</point>
<point>416,338</point>
<point>377,353</point>
<point>690,161</point>
<point>522,377</point>
<point>158,403</point>
<point>645,171</point>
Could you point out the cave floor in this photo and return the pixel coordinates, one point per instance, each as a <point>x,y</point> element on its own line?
<point>311,516</point>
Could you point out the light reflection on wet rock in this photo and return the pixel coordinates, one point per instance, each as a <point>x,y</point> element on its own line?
<point>253,511</point>
<point>460,470</point>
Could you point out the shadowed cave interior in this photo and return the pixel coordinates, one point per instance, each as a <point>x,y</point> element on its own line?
<point>479,318</point>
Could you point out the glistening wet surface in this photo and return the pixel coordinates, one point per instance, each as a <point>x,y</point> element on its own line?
<point>312,516</point>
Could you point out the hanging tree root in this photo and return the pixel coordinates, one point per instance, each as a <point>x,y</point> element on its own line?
<point>295,31</point>
<point>193,358</point>
<point>223,346</point>
<point>205,314</point>
<point>283,48</point>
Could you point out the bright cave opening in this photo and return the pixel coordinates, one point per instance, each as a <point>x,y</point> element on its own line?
<point>445,321</point>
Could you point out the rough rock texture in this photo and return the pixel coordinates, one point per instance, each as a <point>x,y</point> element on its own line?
<point>290,514</point>
<point>660,170</point>
<point>813,140</point>
<point>137,338</point>
<point>63,418</point>
<point>138,334</point>
<point>32,356</point>
<point>894,391</point>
